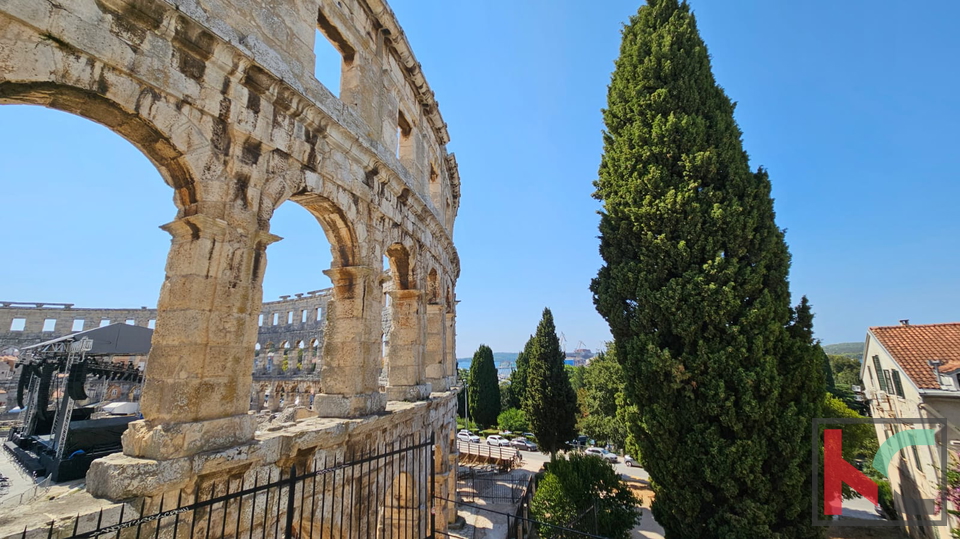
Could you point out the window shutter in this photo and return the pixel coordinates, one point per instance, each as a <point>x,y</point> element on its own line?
<point>897,386</point>
<point>880,377</point>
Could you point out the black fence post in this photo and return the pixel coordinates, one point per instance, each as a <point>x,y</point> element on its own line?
<point>433,481</point>
<point>291,491</point>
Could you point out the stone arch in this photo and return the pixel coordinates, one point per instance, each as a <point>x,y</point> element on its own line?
<point>401,267</point>
<point>134,127</point>
<point>433,287</point>
<point>338,228</point>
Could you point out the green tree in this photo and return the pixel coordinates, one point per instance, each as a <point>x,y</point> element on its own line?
<point>506,395</point>
<point>518,378</point>
<point>586,494</point>
<point>576,376</point>
<point>484,390</point>
<point>603,385</point>
<point>694,288</point>
<point>513,420</point>
<point>549,403</point>
<point>846,370</point>
<point>464,378</point>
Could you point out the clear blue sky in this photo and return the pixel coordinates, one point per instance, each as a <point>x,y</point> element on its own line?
<point>851,106</point>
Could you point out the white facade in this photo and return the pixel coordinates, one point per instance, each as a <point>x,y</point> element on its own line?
<point>892,393</point>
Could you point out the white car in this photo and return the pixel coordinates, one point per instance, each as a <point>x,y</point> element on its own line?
<point>496,439</point>
<point>466,436</point>
<point>630,462</point>
<point>602,453</point>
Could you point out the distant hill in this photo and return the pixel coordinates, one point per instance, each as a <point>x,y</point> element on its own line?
<point>850,349</point>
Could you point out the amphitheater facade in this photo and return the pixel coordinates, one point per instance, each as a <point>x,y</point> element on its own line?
<point>221,96</point>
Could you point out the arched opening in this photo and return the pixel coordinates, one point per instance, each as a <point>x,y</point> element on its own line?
<point>295,284</point>
<point>82,208</point>
<point>433,287</point>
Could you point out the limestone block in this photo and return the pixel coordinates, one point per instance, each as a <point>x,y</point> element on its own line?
<point>409,392</point>
<point>120,477</point>
<point>173,440</point>
<point>327,405</point>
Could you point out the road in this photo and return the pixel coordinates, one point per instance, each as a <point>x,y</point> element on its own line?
<point>533,460</point>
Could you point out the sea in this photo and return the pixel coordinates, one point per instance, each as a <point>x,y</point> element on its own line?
<point>505,361</point>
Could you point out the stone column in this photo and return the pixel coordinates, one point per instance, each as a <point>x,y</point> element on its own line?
<point>450,362</point>
<point>197,381</point>
<point>405,372</point>
<point>351,345</point>
<point>435,355</point>
<point>274,405</point>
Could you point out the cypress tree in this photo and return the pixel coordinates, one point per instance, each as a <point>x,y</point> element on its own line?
<point>518,378</point>
<point>694,288</point>
<point>549,401</point>
<point>484,390</point>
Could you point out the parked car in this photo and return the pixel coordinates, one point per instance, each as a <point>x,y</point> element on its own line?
<point>602,453</point>
<point>578,442</point>
<point>529,436</point>
<point>630,462</point>
<point>522,443</point>
<point>466,436</point>
<point>496,439</point>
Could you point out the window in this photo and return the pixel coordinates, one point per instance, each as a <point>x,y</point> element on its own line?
<point>77,325</point>
<point>328,63</point>
<point>303,316</point>
<point>880,378</point>
<point>104,322</point>
<point>18,324</point>
<point>290,317</point>
<point>152,324</point>
<point>404,141</point>
<point>276,318</point>
<point>916,458</point>
<point>260,320</point>
<point>131,322</point>
<point>49,325</point>
<point>897,386</point>
<point>888,381</point>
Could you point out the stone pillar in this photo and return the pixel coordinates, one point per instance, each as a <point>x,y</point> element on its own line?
<point>405,372</point>
<point>435,355</point>
<point>197,381</point>
<point>260,396</point>
<point>274,404</point>
<point>352,345</point>
<point>450,362</point>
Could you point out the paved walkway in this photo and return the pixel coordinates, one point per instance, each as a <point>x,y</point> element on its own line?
<point>18,480</point>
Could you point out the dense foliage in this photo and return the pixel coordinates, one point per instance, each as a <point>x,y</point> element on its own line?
<point>725,374</point>
<point>846,370</point>
<point>484,390</point>
<point>549,403</point>
<point>518,378</point>
<point>513,420</point>
<point>604,396</point>
<point>586,494</point>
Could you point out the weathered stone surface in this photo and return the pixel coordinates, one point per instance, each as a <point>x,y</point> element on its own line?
<point>235,122</point>
<point>220,96</point>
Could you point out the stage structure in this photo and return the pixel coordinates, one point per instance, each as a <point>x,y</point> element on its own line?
<point>58,434</point>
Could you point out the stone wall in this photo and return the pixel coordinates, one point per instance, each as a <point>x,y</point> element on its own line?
<point>291,320</point>
<point>220,95</point>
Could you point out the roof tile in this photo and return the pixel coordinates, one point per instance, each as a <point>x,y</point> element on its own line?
<point>913,346</point>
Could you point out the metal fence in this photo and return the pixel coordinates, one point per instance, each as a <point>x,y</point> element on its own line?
<point>387,494</point>
<point>490,486</point>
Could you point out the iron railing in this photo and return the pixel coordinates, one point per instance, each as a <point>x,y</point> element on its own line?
<point>491,487</point>
<point>386,493</point>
